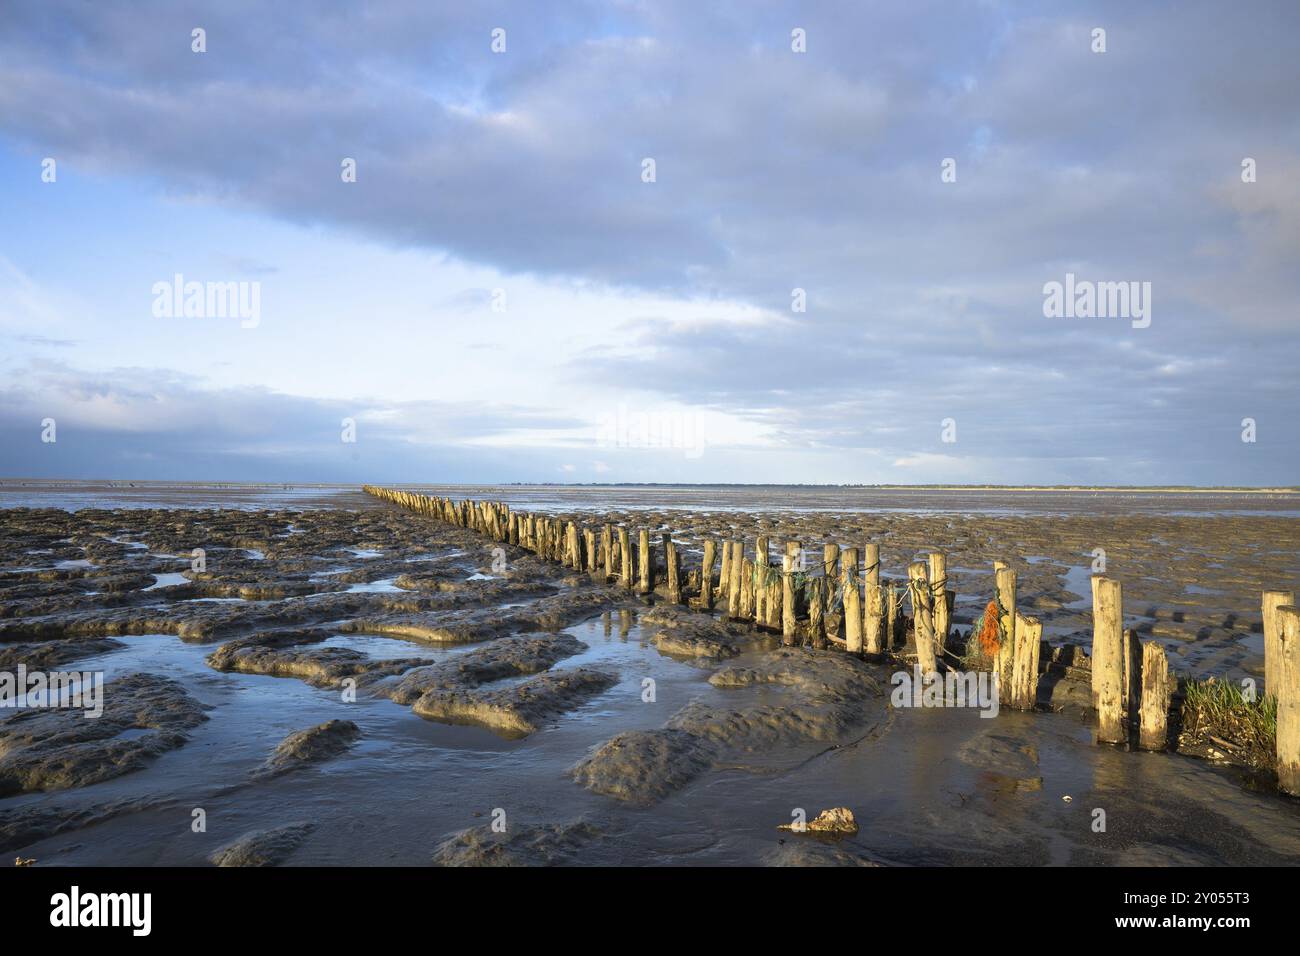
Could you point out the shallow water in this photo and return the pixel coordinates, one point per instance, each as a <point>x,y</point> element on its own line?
<point>408,782</point>
<point>74,495</point>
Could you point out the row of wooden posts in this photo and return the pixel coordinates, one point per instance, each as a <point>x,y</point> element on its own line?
<point>1131,682</point>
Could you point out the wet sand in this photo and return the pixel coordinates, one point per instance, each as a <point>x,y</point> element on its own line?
<point>474,691</point>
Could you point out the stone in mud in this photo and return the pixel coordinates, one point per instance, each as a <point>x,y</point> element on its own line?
<point>644,766</point>
<point>263,847</point>
<point>518,710</point>
<point>59,748</point>
<point>309,746</point>
<point>835,820</point>
<point>532,845</point>
<point>507,657</point>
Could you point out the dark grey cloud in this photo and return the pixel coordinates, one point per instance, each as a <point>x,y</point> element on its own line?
<point>131,422</point>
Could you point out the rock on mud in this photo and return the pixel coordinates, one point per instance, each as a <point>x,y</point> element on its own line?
<point>263,847</point>
<point>55,749</point>
<point>835,820</point>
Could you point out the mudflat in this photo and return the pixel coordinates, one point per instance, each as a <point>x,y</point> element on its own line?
<point>332,680</point>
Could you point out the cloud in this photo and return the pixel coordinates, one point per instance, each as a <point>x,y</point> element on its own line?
<point>775,171</point>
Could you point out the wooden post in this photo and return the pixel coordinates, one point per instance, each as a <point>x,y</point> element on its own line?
<point>572,558</point>
<point>607,551</point>
<point>830,574</point>
<point>1024,670</point>
<point>852,601</point>
<point>733,585</point>
<point>593,555</point>
<point>763,613</point>
<point>1154,706</point>
<point>747,589</point>
<point>625,557</point>
<point>923,617</point>
<point>647,571</point>
<point>674,582</point>
<point>871,577</point>
<point>874,618</point>
<point>1107,658</point>
<point>816,606</point>
<point>724,576</point>
<point>891,616</point>
<point>1006,585</point>
<point>1273,638</point>
<point>1131,655</point>
<point>1288,703</point>
<point>939,589</point>
<point>787,599</point>
<point>706,574</point>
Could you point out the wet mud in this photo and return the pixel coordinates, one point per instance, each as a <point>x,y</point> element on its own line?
<point>362,685</point>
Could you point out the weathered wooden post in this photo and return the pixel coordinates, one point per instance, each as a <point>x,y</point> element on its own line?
<point>852,601</point>
<point>1154,706</point>
<point>870,579</point>
<point>674,582</point>
<point>939,590</point>
<point>830,574</point>
<point>706,574</point>
<point>572,556</point>
<point>647,570</point>
<point>891,616</point>
<point>747,589</point>
<point>923,617</point>
<point>816,607</point>
<point>607,550</point>
<point>787,600</point>
<point>736,569</point>
<point>874,615</point>
<point>1024,669</point>
<point>1006,587</point>
<point>1131,656</point>
<point>593,555</point>
<point>795,550</point>
<point>625,557</point>
<point>1107,658</point>
<point>724,575</point>
<point>1273,600</point>
<point>1288,703</point>
<point>762,593</point>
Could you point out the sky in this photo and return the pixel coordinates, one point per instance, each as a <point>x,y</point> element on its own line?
<point>834,270</point>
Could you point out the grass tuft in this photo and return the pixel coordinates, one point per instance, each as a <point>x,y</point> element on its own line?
<point>1214,708</point>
